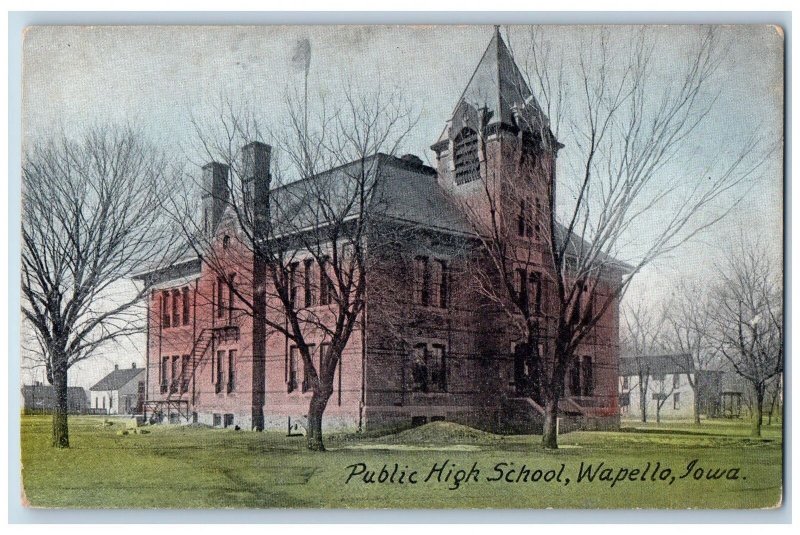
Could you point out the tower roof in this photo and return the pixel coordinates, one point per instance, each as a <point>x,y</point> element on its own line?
<point>498,85</point>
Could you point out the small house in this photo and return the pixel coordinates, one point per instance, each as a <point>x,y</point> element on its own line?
<point>119,392</point>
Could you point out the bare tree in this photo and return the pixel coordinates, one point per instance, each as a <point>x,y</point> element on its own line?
<point>304,221</point>
<point>773,394</point>
<point>642,338</point>
<point>625,127</point>
<point>748,320</point>
<point>87,223</point>
<point>661,393</point>
<point>689,332</point>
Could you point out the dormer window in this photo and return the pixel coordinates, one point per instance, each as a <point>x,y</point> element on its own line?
<point>465,156</point>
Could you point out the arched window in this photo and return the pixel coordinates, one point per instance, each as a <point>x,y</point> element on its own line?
<point>465,156</point>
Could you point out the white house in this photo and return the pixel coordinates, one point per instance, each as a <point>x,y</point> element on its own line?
<point>119,392</point>
<point>668,390</point>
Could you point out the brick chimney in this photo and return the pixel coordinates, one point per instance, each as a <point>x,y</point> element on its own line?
<point>133,365</point>
<point>116,366</point>
<point>214,195</point>
<point>256,176</point>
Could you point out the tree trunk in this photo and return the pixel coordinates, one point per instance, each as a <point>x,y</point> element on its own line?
<point>60,428</point>
<point>259,331</point>
<point>696,407</point>
<point>759,410</point>
<point>549,432</point>
<point>772,403</point>
<point>643,404</point>
<point>315,411</point>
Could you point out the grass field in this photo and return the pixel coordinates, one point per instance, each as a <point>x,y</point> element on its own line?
<point>191,467</point>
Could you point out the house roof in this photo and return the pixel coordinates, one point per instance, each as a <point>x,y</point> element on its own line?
<point>117,379</point>
<point>656,364</point>
<point>403,191</point>
<point>498,86</point>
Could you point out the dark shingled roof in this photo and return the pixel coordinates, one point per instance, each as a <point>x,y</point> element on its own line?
<point>406,192</point>
<point>498,85</point>
<point>656,364</point>
<point>117,379</point>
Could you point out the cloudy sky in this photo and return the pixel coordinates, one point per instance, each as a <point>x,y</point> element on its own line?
<point>157,77</point>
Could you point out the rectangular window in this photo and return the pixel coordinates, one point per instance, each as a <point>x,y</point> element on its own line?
<point>444,283</point>
<point>186,306</point>
<point>521,288</point>
<point>421,277</point>
<point>294,283</point>
<point>535,292</point>
<point>164,372</point>
<point>587,379</point>
<point>522,218</point>
<point>625,383</point>
<point>466,156</point>
<point>220,297</point>
<point>537,214</point>
<point>575,377</point>
<point>676,401</point>
<point>165,315</point>
<point>231,370</point>
<point>323,356</point>
<point>176,301</point>
<point>529,216</point>
<point>419,368</point>
<point>185,373</point>
<point>435,286</point>
<point>219,376</point>
<point>429,368</point>
<point>174,378</point>
<point>676,380</point>
<point>306,386</point>
<point>325,284</point>
<point>625,399</point>
<point>291,383</point>
<point>231,295</point>
<point>308,283</point>
<point>587,300</point>
<point>437,366</point>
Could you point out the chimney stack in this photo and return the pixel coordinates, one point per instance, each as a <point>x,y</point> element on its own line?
<point>215,195</point>
<point>256,177</point>
<point>116,366</point>
<point>133,365</point>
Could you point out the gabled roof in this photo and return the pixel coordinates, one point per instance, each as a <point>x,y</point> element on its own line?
<point>117,379</point>
<point>656,364</point>
<point>498,86</point>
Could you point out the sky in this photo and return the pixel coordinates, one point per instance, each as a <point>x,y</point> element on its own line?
<point>158,77</point>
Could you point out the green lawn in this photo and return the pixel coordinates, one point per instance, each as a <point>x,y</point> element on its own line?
<point>189,467</point>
